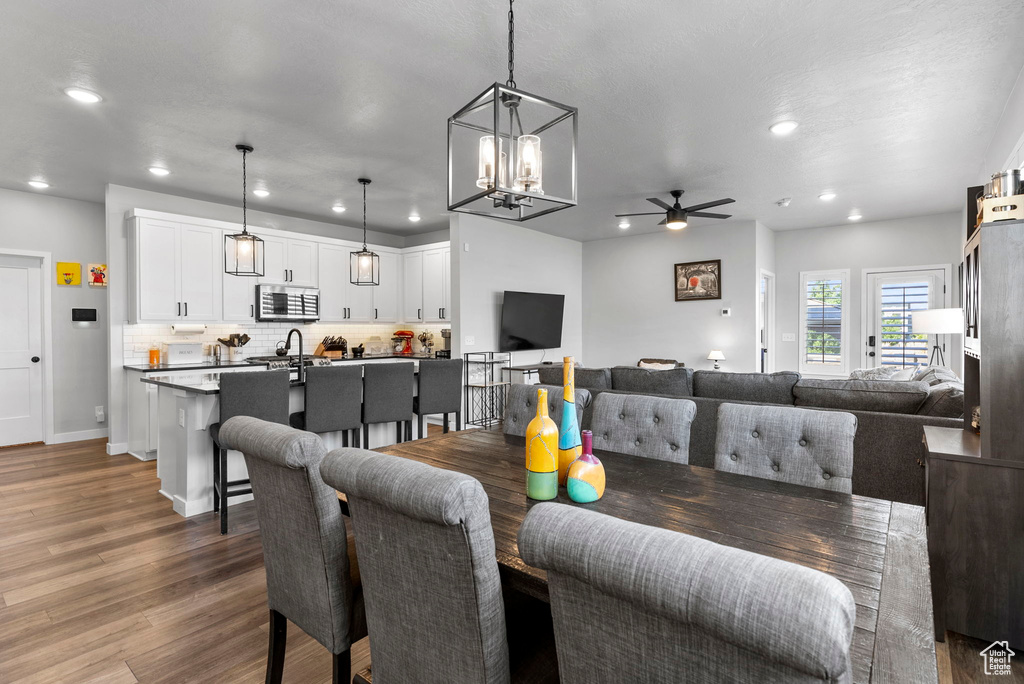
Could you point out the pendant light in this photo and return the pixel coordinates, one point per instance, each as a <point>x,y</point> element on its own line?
<point>243,252</point>
<point>502,173</point>
<point>364,265</point>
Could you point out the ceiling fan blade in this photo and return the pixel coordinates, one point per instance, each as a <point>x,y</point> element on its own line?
<point>649,213</point>
<point>708,205</point>
<point>663,222</point>
<point>704,214</point>
<point>660,203</point>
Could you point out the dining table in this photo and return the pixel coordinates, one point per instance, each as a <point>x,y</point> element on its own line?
<point>877,548</point>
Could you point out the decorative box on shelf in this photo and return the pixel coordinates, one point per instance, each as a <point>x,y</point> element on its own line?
<point>1002,208</point>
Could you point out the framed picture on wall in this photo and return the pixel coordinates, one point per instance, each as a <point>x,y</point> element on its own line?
<point>697,280</point>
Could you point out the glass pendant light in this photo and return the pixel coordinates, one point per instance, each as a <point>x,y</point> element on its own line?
<point>243,252</point>
<point>509,179</point>
<point>364,266</point>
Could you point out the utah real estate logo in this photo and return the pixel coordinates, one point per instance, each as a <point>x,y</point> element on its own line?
<point>997,658</point>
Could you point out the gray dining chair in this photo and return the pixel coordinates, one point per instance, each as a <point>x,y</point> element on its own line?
<point>333,402</point>
<point>305,546</point>
<point>387,397</point>
<point>259,394</point>
<point>640,425</point>
<point>787,444</point>
<point>439,390</point>
<point>434,603</point>
<point>521,406</point>
<point>645,604</point>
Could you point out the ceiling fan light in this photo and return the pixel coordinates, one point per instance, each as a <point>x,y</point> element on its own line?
<point>676,224</point>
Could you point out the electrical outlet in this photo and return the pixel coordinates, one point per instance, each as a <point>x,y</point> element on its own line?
<point>100,417</point>
<point>181,418</point>
<point>141,347</point>
<point>465,246</point>
<point>470,341</point>
<point>789,337</point>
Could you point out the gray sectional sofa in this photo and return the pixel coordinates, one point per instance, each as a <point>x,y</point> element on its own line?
<point>890,422</point>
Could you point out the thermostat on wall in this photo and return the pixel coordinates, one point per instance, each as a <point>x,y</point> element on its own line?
<point>727,312</point>
<point>83,315</point>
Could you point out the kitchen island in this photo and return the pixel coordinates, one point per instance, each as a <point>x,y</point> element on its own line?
<point>187,404</point>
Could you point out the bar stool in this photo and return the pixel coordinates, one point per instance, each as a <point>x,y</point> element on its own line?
<point>333,398</point>
<point>439,391</point>
<point>387,397</point>
<point>259,394</point>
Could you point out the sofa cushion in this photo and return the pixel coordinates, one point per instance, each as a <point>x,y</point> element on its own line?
<point>945,399</point>
<point>889,396</point>
<point>676,382</point>
<point>764,388</point>
<point>586,378</point>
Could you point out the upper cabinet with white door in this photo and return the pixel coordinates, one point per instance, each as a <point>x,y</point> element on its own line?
<point>288,261</point>
<point>341,301</point>
<point>176,271</point>
<point>427,284</point>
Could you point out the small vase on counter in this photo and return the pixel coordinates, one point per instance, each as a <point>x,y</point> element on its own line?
<point>542,453</point>
<point>585,483</point>
<point>569,447</point>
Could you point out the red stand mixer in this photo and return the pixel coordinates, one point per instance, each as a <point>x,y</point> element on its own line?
<point>401,341</point>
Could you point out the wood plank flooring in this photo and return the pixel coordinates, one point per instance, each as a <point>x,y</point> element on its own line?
<point>100,581</point>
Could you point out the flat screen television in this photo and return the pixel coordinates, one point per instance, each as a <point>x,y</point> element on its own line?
<point>531,320</point>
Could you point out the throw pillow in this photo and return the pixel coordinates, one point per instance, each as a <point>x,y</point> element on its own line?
<point>882,373</point>
<point>935,375</point>
<point>657,366</point>
<point>904,374</point>
<point>945,400</point>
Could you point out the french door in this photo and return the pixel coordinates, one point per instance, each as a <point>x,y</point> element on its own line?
<point>892,297</point>
<point>21,342</point>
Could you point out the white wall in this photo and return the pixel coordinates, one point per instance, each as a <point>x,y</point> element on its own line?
<point>629,307</point>
<point>71,230</point>
<point>507,256</point>
<point>1007,147</point>
<point>916,241</point>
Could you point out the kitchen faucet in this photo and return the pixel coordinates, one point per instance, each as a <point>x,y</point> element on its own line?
<point>302,358</point>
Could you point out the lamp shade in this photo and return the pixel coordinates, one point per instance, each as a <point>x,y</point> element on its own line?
<point>938,322</point>
<point>716,355</point>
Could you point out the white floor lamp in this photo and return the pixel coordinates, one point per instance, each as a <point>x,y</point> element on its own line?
<point>938,322</point>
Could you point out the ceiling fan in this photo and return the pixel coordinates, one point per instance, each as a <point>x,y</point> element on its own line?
<point>675,215</point>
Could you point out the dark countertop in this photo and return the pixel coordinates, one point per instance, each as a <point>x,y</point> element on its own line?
<point>165,368</point>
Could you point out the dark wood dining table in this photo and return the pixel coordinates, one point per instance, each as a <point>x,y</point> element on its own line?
<point>877,548</point>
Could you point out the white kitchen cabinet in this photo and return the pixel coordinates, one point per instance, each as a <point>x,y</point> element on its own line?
<point>239,298</point>
<point>412,287</point>
<point>341,301</point>
<point>446,273</point>
<point>385,295</point>
<point>436,284</point>
<point>289,262</point>
<point>332,264</point>
<point>177,271</point>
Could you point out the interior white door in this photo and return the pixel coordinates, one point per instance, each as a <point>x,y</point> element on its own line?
<point>385,295</point>
<point>201,270</point>
<point>412,287</point>
<point>892,298</point>
<point>21,375</point>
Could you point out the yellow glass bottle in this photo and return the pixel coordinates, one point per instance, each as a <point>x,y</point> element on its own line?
<point>542,453</point>
<point>569,446</point>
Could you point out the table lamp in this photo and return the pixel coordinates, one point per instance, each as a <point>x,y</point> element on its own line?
<point>716,355</point>
<point>938,322</point>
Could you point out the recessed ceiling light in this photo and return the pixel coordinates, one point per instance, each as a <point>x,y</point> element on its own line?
<point>827,196</point>
<point>855,217</point>
<point>261,193</point>
<point>86,96</point>
<point>784,202</point>
<point>783,127</point>
<point>623,224</point>
<point>337,208</point>
<point>38,184</point>
<point>158,171</point>
<point>414,218</point>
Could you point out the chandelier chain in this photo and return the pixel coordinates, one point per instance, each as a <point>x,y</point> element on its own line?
<point>511,82</point>
<point>244,194</point>
<point>364,217</point>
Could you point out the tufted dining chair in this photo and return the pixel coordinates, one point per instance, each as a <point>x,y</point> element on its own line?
<point>521,406</point>
<point>654,427</point>
<point>786,444</point>
<point>698,611</point>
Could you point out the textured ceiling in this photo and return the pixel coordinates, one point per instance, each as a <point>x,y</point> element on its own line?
<point>896,101</point>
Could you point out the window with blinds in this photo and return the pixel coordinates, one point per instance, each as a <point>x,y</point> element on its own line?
<point>898,346</point>
<point>824,321</point>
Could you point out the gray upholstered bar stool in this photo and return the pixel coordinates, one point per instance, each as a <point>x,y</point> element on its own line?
<point>387,397</point>
<point>259,394</point>
<point>310,565</point>
<point>636,424</point>
<point>786,444</point>
<point>697,610</point>
<point>333,402</point>
<point>439,391</point>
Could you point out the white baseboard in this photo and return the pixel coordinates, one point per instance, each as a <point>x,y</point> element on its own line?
<point>115,448</point>
<point>189,508</point>
<point>145,456</point>
<point>65,437</point>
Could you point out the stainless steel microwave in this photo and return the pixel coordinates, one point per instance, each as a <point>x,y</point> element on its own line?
<point>283,303</point>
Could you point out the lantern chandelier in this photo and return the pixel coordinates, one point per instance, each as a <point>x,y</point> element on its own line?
<point>364,266</point>
<point>503,173</point>
<point>243,252</point>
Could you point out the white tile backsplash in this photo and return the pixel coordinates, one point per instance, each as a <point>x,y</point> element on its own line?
<point>137,339</point>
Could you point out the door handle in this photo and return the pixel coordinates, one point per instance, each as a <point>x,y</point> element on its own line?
<point>186,308</point>
<point>35,359</point>
<point>179,308</point>
<point>252,310</point>
<point>419,313</point>
<point>871,353</point>
<point>374,314</point>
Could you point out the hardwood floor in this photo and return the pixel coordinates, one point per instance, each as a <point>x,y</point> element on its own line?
<point>100,581</point>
